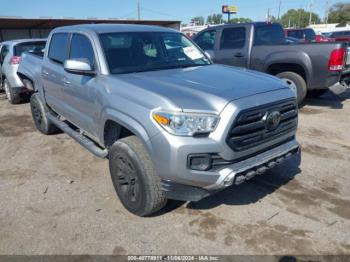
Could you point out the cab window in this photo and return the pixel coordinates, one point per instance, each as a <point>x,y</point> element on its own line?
<point>233,38</point>
<point>206,40</point>
<point>58,48</point>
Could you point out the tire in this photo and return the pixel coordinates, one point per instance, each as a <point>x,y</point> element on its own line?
<point>39,110</point>
<point>134,177</point>
<point>316,93</point>
<point>297,83</point>
<point>11,96</point>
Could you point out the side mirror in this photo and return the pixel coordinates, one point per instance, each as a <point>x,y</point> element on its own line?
<point>79,67</point>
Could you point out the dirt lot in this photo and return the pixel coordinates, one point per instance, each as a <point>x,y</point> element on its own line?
<point>56,198</point>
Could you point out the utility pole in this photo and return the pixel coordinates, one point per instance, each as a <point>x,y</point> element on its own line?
<point>311,6</point>
<point>138,10</point>
<point>327,11</point>
<point>289,22</point>
<point>268,14</point>
<point>279,9</point>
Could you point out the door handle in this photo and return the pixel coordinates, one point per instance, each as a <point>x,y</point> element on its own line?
<point>44,73</point>
<point>239,55</point>
<point>65,82</point>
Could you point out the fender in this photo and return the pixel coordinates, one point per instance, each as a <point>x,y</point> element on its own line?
<point>299,58</point>
<point>127,122</point>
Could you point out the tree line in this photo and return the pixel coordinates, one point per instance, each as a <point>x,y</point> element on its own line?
<point>338,13</point>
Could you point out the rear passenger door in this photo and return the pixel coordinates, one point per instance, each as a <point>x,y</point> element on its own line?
<point>80,93</point>
<point>53,73</point>
<point>233,47</point>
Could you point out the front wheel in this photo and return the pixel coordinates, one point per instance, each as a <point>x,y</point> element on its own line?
<point>134,177</point>
<point>296,83</point>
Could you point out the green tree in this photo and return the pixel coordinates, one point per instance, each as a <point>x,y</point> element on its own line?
<point>198,20</point>
<point>298,18</point>
<point>214,19</point>
<point>241,20</point>
<point>339,13</point>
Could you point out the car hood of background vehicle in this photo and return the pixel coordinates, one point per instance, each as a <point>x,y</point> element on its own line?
<point>203,88</point>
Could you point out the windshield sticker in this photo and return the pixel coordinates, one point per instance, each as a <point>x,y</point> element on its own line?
<point>193,53</point>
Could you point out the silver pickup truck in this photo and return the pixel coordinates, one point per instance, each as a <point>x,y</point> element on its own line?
<point>172,124</point>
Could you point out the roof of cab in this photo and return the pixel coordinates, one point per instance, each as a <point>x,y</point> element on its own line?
<point>114,28</point>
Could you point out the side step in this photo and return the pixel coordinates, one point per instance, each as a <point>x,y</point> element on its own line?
<point>81,139</point>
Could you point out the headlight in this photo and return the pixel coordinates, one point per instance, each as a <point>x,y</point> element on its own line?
<point>186,124</point>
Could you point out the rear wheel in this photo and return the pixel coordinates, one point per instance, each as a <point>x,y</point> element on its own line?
<point>12,96</point>
<point>296,83</point>
<point>39,110</point>
<point>134,177</point>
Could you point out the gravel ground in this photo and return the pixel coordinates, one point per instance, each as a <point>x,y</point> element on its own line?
<point>56,198</point>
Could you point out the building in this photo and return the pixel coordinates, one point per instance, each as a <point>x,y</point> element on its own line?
<point>328,28</point>
<point>17,28</point>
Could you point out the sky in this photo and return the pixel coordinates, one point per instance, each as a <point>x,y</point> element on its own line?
<point>182,10</point>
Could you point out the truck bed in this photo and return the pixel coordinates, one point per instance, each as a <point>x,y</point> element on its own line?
<point>30,68</point>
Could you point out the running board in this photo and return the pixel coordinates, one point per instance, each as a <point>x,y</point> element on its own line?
<point>81,139</point>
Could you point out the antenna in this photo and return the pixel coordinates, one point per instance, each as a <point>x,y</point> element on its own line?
<point>279,9</point>
<point>138,10</point>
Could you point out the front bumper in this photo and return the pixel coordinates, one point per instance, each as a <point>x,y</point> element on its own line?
<point>233,174</point>
<point>170,153</point>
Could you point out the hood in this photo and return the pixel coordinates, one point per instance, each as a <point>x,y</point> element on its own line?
<point>203,88</point>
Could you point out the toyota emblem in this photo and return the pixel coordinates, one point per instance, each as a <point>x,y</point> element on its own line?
<point>272,120</point>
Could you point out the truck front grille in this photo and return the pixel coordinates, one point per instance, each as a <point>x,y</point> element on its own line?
<point>255,126</point>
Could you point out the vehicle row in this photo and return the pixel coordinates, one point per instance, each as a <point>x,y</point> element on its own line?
<point>172,123</point>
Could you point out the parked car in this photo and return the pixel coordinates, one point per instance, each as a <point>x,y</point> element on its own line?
<point>307,68</point>
<point>172,124</point>
<point>322,39</point>
<point>293,40</point>
<point>307,35</point>
<point>10,57</point>
<point>340,36</point>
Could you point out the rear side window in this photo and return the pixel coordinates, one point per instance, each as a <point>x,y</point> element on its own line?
<point>31,47</point>
<point>269,34</point>
<point>58,48</point>
<point>310,34</point>
<point>296,34</point>
<point>233,38</point>
<point>81,48</point>
<point>206,40</point>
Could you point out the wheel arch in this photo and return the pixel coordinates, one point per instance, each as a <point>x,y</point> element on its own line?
<point>117,125</point>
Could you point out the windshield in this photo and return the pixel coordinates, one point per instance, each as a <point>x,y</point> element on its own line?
<point>147,51</point>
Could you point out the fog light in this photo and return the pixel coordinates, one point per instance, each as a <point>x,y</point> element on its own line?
<point>200,162</point>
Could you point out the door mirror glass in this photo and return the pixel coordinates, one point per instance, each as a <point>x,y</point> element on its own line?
<point>78,66</point>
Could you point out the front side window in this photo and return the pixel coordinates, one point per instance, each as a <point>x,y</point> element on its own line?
<point>81,48</point>
<point>206,40</point>
<point>147,51</point>
<point>58,48</point>
<point>233,38</point>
